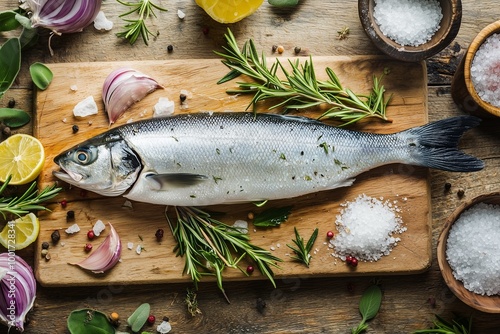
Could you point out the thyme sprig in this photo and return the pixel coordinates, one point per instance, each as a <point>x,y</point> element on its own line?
<point>30,200</point>
<point>209,246</point>
<point>300,89</point>
<point>137,27</point>
<point>303,250</point>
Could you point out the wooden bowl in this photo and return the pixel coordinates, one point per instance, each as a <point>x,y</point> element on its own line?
<point>489,304</point>
<point>469,57</point>
<point>450,24</point>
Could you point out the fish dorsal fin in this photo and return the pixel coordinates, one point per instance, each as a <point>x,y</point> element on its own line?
<point>173,180</point>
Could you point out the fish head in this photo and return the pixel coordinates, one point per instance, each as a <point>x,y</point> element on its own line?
<point>104,164</point>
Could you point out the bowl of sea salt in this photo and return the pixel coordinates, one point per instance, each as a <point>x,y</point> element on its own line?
<point>468,253</point>
<point>411,30</point>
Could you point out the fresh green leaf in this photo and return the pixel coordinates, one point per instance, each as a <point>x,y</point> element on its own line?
<point>8,20</point>
<point>14,118</point>
<point>272,217</point>
<point>303,251</point>
<point>41,75</point>
<point>370,302</point>
<point>89,321</point>
<point>23,21</point>
<point>10,63</point>
<point>139,317</point>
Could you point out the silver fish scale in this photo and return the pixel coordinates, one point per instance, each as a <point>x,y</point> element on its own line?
<point>248,158</point>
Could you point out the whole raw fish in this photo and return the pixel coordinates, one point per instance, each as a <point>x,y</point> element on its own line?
<point>214,158</point>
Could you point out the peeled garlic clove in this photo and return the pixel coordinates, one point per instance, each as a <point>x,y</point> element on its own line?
<point>106,256</point>
<point>124,87</point>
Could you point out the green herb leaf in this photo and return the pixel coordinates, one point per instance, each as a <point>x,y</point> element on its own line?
<point>89,321</point>
<point>10,63</point>
<point>8,20</point>
<point>370,302</point>
<point>41,75</point>
<point>139,317</point>
<point>272,217</point>
<point>283,3</point>
<point>303,251</point>
<point>14,118</point>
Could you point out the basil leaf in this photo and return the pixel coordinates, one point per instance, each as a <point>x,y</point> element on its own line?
<point>14,118</point>
<point>283,3</point>
<point>10,63</point>
<point>88,321</point>
<point>8,20</point>
<point>272,217</point>
<point>28,38</point>
<point>370,302</point>
<point>41,75</point>
<point>139,317</point>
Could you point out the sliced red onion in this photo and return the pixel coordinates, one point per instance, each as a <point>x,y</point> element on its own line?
<point>106,256</point>
<point>122,88</point>
<point>63,16</point>
<point>18,290</point>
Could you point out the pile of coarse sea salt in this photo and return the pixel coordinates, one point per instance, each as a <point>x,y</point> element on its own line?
<point>408,22</point>
<point>366,229</point>
<point>473,249</point>
<point>485,70</point>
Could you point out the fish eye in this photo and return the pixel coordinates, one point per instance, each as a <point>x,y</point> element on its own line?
<point>84,155</point>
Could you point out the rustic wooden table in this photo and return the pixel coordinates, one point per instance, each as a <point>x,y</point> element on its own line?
<point>305,305</point>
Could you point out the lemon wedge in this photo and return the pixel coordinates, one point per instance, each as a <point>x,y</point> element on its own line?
<point>21,156</point>
<point>20,233</point>
<point>229,11</point>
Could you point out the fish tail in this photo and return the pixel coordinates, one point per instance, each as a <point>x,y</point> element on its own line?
<point>436,145</point>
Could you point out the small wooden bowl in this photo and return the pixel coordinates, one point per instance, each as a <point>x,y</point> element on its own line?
<point>488,304</point>
<point>449,26</point>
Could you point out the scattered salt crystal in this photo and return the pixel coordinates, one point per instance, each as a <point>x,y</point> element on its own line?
<point>366,229</point>
<point>74,88</point>
<point>408,22</point>
<point>473,250</point>
<point>72,229</point>
<point>138,249</point>
<point>64,120</point>
<point>273,248</point>
<point>164,327</point>
<point>130,245</point>
<point>102,23</point>
<point>485,70</point>
<point>181,14</point>
<point>278,245</point>
<point>164,107</point>
<point>86,107</point>
<point>241,226</point>
<point>98,228</point>
<point>63,244</point>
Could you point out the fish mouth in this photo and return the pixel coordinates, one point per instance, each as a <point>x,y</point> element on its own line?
<point>67,175</point>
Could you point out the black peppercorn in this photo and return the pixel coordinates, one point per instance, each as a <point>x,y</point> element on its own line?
<point>11,103</point>
<point>460,193</point>
<point>297,49</point>
<point>159,234</point>
<point>45,245</point>
<point>274,48</point>
<point>70,215</point>
<point>182,97</point>
<point>170,48</point>
<point>447,186</point>
<point>55,236</point>
<point>75,128</point>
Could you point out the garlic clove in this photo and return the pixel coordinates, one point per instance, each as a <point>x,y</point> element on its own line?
<point>106,256</point>
<point>124,87</point>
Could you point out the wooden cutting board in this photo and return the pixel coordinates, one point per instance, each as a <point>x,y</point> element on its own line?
<point>408,186</point>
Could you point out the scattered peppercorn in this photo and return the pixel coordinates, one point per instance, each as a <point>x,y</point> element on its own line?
<point>47,257</point>
<point>351,260</point>
<point>182,97</point>
<point>460,193</point>
<point>70,215</point>
<point>447,186</point>
<point>250,269</point>
<point>75,128</point>
<point>280,49</point>
<point>11,103</point>
<point>55,236</point>
<point>159,234</point>
<point>297,49</point>
<point>170,48</point>
<point>274,48</point>
<point>45,245</point>
<point>329,234</point>
<point>90,234</point>
<point>6,131</point>
<point>165,319</point>
<point>250,215</point>
<point>64,203</point>
<point>87,247</point>
<point>151,319</point>
<point>114,316</point>
<point>44,252</point>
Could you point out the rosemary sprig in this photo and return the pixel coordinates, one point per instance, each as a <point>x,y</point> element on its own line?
<point>209,246</point>
<point>300,89</point>
<point>30,200</point>
<point>136,27</point>
<point>458,325</point>
<point>303,251</point>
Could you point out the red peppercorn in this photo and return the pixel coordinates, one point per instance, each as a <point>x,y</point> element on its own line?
<point>151,319</point>
<point>250,269</point>
<point>354,262</point>
<point>348,259</point>
<point>88,247</point>
<point>159,234</point>
<point>329,234</point>
<point>64,203</point>
<point>90,234</point>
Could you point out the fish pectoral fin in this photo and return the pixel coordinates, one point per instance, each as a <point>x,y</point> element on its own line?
<point>173,180</point>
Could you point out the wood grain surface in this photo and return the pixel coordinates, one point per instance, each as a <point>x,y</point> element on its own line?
<point>298,304</point>
<point>406,186</point>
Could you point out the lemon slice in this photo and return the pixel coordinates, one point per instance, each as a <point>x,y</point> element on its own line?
<point>229,11</point>
<point>20,233</point>
<point>21,156</point>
